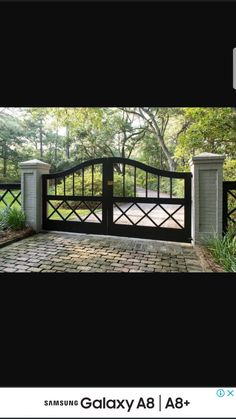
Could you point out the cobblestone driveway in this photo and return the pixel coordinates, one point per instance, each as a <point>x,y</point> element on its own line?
<point>62,252</point>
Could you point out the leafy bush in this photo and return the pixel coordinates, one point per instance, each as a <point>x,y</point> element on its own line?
<point>97,186</point>
<point>229,169</point>
<point>118,185</point>
<point>177,184</point>
<point>3,219</point>
<point>12,218</point>
<point>224,250</point>
<point>16,219</point>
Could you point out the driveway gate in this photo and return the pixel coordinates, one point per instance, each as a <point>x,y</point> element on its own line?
<point>120,197</point>
<point>229,204</point>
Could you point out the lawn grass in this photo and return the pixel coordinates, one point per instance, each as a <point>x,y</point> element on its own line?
<point>65,212</point>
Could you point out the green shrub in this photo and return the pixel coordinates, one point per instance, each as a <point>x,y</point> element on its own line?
<point>3,219</point>
<point>229,169</point>
<point>118,185</point>
<point>97,186</point>
<point>224,250</point>
<point>16,219</point>
<point>177,184</point>
<point>12,218</point>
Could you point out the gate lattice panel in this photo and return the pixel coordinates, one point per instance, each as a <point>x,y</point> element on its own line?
<point>120,197</point>
<point>229,204</point>
<point>10,195</point>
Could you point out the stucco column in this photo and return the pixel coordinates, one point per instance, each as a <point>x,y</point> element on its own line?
<point>31,191</point>
<point>207,189</point>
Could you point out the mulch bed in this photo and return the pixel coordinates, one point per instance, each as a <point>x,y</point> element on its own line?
<point>10,236</point>
<point>208,260</point>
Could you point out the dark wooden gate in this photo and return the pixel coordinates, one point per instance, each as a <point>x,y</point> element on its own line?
<point>229,204</point>
<point>119,197</point>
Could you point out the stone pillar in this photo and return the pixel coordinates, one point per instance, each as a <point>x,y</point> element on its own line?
<point>207,190</point>
<point>31,191</point>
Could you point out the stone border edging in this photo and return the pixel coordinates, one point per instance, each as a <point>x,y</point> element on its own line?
<point>16,239</point>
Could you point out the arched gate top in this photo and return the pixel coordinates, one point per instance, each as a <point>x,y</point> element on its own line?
<point>119,160</point>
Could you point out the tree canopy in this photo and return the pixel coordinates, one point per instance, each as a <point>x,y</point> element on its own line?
<point>162,137</point>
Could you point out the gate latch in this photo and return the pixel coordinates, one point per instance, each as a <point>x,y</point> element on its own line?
<point>109,182</point>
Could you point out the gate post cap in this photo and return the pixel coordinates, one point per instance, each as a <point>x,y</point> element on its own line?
<point>208,158</point>
<point>34,164</point>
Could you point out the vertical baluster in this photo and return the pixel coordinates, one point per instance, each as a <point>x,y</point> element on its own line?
<point>146,184</point>
<point>55,186</point>
<point>135,181</point>
<point>64,185</point>
<point>171,187</point>
<point>123,179</point>
<point>158,186</point>
<point>92,177</point>
<point>73,183</point>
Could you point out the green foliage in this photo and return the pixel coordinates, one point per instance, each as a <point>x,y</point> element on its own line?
<point>208,130</point>
<point>224,250</point>
<point>16,219</point>
<point>97,185</point>
<point>164,187</point>
<point>118,185</point>
<point>12,218</point>
<point>230,169</point>
<point>65,137</point>
<point>4,219</point>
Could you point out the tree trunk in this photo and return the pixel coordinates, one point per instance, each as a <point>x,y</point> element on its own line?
<point>4,154</point>
<point>67,142</point>
<point>123,151</point>
<point>117,168</point>
<point>67,151</point>
<point>41,138</point>
<point>160,138</point>
<point>56,145</point>
<point>167,154</point>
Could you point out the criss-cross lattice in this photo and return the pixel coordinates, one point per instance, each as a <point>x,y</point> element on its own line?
<point>15,198</point>
<point>92,211</point>
<point>146,214</point>
<point>232,210</point>
<point>73,211</point>
<point>56,210</point>
<point>171,216</point>
<point>124,213</point>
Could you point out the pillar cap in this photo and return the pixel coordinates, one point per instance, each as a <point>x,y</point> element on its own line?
<point>207,158</point>
<point>34,164</point>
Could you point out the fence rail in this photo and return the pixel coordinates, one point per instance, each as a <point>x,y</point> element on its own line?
<point>229,204</point>
<point>10,195</point>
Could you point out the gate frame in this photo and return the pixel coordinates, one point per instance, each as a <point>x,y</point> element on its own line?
<point>227,186</point>
<point>202,166</point>
<point>107,226</point>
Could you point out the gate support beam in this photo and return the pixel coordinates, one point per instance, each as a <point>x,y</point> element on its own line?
<point>207,191</point>
<point>31,191</point>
